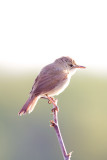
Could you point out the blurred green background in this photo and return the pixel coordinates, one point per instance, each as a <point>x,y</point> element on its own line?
<point>82,119</point>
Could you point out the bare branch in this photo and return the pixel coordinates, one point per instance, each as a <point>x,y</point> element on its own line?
<point>55,124</point>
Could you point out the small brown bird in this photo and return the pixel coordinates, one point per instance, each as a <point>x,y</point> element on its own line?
<point>51,81</point>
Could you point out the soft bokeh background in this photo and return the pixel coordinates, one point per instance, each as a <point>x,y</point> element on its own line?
<point>33,34</point>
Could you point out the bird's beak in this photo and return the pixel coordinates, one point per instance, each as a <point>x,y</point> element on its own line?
<point>77,66</point>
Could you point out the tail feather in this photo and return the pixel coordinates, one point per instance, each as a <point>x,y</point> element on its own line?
<point>28,106</point>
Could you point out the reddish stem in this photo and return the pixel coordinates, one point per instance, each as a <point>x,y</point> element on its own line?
<point>55,124</point>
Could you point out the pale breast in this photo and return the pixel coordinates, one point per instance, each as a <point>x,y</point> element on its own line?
<point>63,84</point>
<point>60,87</point>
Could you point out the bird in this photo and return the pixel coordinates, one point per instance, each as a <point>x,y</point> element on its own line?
<point>51,81</point>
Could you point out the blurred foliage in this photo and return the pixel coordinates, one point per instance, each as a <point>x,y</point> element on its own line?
<point>82,119</point>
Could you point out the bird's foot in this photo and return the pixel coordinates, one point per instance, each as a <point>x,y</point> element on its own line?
<point>54,102</point>
<point>51,100</point>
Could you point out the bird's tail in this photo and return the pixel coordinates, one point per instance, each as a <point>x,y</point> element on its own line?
<point>28,106</point>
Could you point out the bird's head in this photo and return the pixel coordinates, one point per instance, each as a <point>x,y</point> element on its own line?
<point>68,62</point>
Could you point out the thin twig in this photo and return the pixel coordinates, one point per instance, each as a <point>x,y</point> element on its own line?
<point>54,123</point>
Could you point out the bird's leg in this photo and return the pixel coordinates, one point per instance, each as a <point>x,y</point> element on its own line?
<point>52,100</point>
<point>45,97</point>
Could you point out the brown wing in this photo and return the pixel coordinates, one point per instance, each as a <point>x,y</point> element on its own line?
<point>47,80</point>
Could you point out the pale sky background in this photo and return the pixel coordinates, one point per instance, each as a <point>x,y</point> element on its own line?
<point>36,32</point>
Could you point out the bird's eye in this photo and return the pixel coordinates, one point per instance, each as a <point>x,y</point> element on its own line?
<point>71,65</point>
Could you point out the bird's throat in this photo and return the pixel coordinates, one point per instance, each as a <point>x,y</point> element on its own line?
<point>72,71</point>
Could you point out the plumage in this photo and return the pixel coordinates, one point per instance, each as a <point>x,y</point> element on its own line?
<point>51,81</point>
